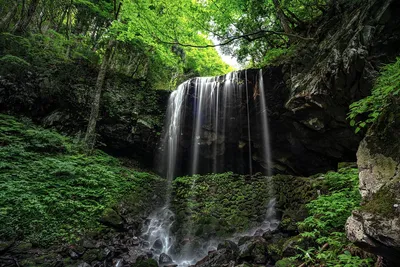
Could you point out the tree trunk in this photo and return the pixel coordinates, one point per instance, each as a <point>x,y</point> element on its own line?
<point>90,137</point>
<point>64,14</point>
<point>7,18</point>
<point>282,18</point>
<point>24,22</point>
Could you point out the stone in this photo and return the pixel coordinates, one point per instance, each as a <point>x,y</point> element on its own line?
<point>146,263</point>
<point>259,232</point>
<point>158,244</point>
<point>244,239</point>
<point>93,255</point>
<point>375,227</point>
<point>217,258</point>
<point>228,244</point>
<point>253,251</point>
<point>88,244</point>
<point>111,218</point>
<point>73,255</point>
<point>164,259</point>
<point>118,262</point>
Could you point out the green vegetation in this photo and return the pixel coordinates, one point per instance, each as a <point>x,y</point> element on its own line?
<point>82,30</point>
<point>220,203</point>
<point>382,203</point>
<point>51,192</point>
<point>254,28</point>
<point>323,231</point>
<point>367,110</point>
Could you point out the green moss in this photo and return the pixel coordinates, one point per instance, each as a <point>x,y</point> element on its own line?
<point>111,217</point>
<point>275,251</point>
<point>287,262</point>
<point>382,203</point>
<point>220,204</point>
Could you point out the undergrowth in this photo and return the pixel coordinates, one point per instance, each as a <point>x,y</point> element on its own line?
<point>50,191</point>
<point>324,231</point>
<point>367,110</point>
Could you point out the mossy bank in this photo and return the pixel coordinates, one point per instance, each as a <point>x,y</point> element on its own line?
<point>53,197</point>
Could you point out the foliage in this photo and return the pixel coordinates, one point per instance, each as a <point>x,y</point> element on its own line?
<point>160,40</point>
<point>62,31</point>
<point>254,27</point>
<point>324,228</point>
<point>12,64</point>
<point>51,192</point>
<point>367,110</point>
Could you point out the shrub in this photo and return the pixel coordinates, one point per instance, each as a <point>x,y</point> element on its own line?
<point>366,111</point>
<point>324,228</point>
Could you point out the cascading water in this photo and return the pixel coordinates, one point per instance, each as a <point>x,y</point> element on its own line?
<point>157,232</point>
<point>208,129</point>
<point>264,122</point>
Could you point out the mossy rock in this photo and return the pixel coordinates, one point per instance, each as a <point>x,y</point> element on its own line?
<point>275,249</point>
<point>291,246</point>
<point>111,218</point>
<point>93,255</point>
<point>146,263</point>
<point>383,201</point>
<point>286,262</point>
<point>47,260</point>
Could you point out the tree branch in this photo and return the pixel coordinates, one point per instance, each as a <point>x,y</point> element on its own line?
<point>233,38</point>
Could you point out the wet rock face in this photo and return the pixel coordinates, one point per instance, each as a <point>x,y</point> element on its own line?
<point>376,226</point>
<point>327,75</point>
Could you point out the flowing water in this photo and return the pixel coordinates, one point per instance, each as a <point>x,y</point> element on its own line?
<point>208,129</point>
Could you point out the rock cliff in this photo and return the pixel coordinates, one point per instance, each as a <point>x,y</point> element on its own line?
<point>375,227</point>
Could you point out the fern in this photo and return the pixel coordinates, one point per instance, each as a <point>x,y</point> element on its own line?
<point>366,111</point>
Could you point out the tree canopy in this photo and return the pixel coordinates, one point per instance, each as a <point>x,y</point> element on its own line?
<point>169,40</point>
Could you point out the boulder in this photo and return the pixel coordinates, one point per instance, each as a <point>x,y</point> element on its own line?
<point>111,218</point>
<point>221,257</point>
<point>164,259</point>
<point>228,244</point>
<point>254,251</point>
<point>375,227</point>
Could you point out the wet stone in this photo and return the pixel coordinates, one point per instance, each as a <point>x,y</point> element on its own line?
<point>164,259</point>
<point>158,244</point>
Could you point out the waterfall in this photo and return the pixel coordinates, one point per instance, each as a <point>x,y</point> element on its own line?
<point>264,124</point>
<point>157,232</point>
<point>211,125</point>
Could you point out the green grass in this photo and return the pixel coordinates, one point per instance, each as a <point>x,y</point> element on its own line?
<point>50,191</point>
